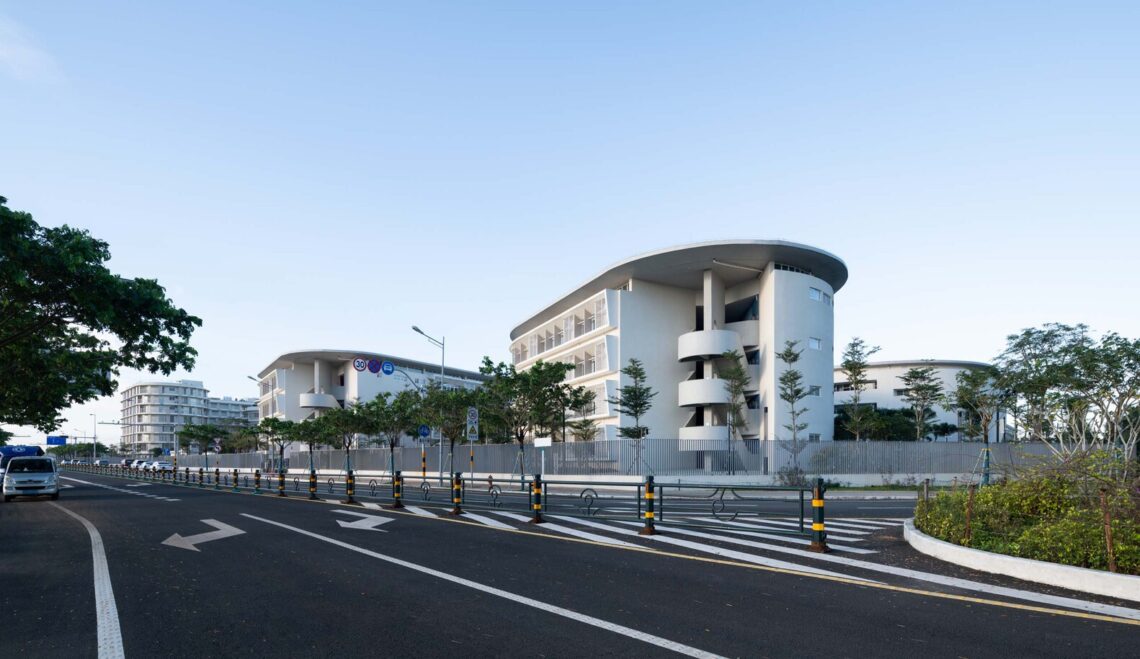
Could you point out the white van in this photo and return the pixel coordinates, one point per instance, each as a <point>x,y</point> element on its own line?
<point>31,477</point>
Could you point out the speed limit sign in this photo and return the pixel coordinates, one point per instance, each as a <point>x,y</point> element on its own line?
<point>360,363</point>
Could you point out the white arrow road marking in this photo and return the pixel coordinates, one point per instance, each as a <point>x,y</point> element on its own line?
<point>367,523</point>
<point>188,542</point>
<point>66,487</point>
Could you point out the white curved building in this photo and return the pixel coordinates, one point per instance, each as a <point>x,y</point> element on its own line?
<point>298,385</point>
<point>678,310</point>
<point>885,390</point>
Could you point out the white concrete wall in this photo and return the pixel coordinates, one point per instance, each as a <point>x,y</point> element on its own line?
<point>888,378</point>
<point>652,317</point>
<point>797,317</point>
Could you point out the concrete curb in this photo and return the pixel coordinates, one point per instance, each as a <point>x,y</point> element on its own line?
<point>1097,582</point>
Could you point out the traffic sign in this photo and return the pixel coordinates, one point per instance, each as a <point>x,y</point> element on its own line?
<point>472,424</point>
<point>424,430</point>
<point>388,368</point>
<point>56,440</point>
<point>360,363</point>
<point>373,365</point>
<point>543,442</point>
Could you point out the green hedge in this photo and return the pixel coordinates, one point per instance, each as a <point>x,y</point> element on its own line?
<point>1048,516</point>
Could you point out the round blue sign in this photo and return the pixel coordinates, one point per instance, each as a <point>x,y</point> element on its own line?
<point>388,368</point>
<point>373,365</point>
<point>424,431</point>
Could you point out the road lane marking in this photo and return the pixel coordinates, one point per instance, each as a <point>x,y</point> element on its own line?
<point>711,549</point>
<point>565,530</point>
<point>793,540</point>
<point>119,489</point>
<point>482,519</point>
<point>366,523</point>
<point>954,582</point>
<point>108,632</point>
<point>416,510</point>
<point>188,542</point>
<point>507,595</point>
<point>841,534</point>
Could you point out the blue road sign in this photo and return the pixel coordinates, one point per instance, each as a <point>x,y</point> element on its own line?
<point>388,368</point>
<point>424,431</point>
<point>373,365</point>
<point>56,440</point>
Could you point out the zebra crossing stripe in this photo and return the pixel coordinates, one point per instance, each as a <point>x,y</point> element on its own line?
<point>482,519</point>
<point>714,550</point>
<point>799,541</point>
<point>420,511</point>
<point>842,534</point>
<point>558,528</point>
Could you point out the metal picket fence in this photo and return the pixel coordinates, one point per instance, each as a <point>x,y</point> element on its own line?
<point>659,457</point>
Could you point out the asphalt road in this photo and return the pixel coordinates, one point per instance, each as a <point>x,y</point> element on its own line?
<point>290,577</point>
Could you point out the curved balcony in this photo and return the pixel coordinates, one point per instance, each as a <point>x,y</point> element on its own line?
<point>692,393</point>
<point>707,344</point>
<point>318,401</point>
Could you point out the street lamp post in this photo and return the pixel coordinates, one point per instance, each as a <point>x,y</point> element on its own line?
<point>442,344</point>
<point>94,437</point>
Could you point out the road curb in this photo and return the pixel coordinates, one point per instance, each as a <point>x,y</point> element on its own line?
<point>1097,582</point>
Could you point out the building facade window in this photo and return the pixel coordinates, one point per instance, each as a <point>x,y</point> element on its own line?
<point>813,390</point>
<point>813,436</point>
<point>815,294</point>
<point>815,344</point>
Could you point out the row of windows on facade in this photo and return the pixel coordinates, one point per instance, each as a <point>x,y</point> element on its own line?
<point>576,324</point>
<point>869,384</point>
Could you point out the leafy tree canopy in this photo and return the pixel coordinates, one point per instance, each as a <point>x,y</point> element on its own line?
<point>68,324</point>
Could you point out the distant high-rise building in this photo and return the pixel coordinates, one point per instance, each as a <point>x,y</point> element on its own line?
<point>154,412</point>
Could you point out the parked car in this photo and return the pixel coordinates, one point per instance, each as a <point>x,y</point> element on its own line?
<point>102,463</point>
<point>31,477</point>
<point>162,466</point>
<point>137,464</point>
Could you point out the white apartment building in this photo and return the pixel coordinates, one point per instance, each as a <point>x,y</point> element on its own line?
<point>885,390</point>
<point>678,310</point>
<point>298,385</point>
<point>153,412</point>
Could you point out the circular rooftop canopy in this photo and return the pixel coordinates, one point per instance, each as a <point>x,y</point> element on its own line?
<point>683,266</point>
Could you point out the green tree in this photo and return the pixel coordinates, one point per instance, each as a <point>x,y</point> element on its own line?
<point>280,434</point>
<point>977,393</point>
<point>156,452</point>
<point>5,436</point>
<point>1037,366</point>
<point>582,404</point>
<point>923,391</point>
<point>68,324</point>
<point>735,382</point>
<point>81,449</point>
<point>792,390</point>
<point>341,425</point>
<point>395,416</point>
<point>633,400</point>
<point>854,367</point>
<point>446,409</point>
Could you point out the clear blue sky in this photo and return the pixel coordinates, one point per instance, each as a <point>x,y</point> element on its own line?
<point>309,175</point>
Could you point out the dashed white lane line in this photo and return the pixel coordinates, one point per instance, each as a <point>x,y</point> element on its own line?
<point>483,519</point>
<point>566,530</point>
<point>108,632</point>
<point>712,549</point>
<point>420,511</point>
<point>119,489</point>
<point>512,597</point>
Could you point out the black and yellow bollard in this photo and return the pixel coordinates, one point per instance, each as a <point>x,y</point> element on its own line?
<point>818,532</point>
<point>257,481</point>
<point>280,482</point>
<point>397,490</point>
<point>235,480</point>
<point>187,480</point>
<point>536,499</point>
<point>201,477</point>
<point>313,484</point>
<point>423,463</point>
<point>349,487</point>
<point>217,478</point>
<point>457,493</point>
<point>650,496</point>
